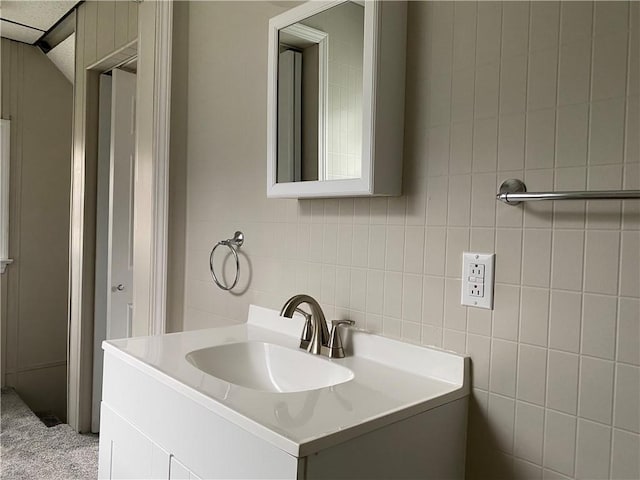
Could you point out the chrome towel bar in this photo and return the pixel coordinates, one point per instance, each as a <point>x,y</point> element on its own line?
<point>514,191</point>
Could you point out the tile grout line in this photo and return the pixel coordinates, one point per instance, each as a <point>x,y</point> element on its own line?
<point>584,248</point>
<point>553,221</point>
<point>522,235</point>
<point>620,246</point>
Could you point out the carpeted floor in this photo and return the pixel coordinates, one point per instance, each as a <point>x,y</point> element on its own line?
<point>31,450</point>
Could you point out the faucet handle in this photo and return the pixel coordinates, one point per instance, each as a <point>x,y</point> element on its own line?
<point>335,323</point>
<point>335,347</point>
<point>307,330</point>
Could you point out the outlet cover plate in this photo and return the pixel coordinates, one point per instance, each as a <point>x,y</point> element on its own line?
<point>477,279</point>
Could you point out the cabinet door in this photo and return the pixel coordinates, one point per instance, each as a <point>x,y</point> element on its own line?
<point>126,453</point>
<point>177,471</point>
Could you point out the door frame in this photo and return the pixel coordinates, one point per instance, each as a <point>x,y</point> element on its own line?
<point>153,92</point>
<point>155,34</point>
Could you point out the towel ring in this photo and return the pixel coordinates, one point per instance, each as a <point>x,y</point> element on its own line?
<point>233,244</point>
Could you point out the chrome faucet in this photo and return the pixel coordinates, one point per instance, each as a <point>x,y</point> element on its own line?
<point>315,336</point>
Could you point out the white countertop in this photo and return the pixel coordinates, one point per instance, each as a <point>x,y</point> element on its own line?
<point>393,380</point>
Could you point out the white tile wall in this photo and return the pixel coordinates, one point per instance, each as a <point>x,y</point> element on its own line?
<point>344,91</point>
<point>532,372</point>
<point>627,393</point>
<point>529,432</point>
<point>560,442</point>
<point>565,321</point>
<point>562,381</point>
<point>624,460</point>
<point>628,348</point>
<point>593,450</point>
<point>543,91</point>
<point>596,389</point>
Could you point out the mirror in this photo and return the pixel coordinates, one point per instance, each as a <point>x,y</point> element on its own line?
<point>320,62</point>
<point>335,99</point>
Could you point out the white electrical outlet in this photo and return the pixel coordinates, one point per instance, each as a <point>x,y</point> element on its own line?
<point>476,289</point>
<point>477,279</point>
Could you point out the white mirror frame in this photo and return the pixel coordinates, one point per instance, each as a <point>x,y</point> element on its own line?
<point>388,181</point>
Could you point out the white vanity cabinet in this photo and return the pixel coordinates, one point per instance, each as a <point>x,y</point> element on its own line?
<point>129,453</point>
<point>404,416</point>
<point>177,471</point>
<point>125,452</point>
<point>149,427</point>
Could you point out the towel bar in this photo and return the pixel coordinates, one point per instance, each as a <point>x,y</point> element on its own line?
<point>514,191</point>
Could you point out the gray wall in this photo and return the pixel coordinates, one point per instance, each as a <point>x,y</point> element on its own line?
<point>38,99</point>
<point>543,91</point>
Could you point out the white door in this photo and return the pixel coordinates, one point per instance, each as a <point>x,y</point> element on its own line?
<point>120,246</point>
<point>114,220</point>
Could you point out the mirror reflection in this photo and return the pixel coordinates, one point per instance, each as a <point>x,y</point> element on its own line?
<point>320,96</point>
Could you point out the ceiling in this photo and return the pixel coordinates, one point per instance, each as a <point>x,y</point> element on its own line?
<point>27,20</point>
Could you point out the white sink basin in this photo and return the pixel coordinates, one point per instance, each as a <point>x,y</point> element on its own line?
<point>268,367</point>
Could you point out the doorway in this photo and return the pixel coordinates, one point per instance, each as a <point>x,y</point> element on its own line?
<point>151,22</point>
<point>113,311</point>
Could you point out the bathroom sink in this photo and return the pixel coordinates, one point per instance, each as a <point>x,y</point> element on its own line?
<point>254,376</point>
<point>244,401</point>
<point>268,367</point>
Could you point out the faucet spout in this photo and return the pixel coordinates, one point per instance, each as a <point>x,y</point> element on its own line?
<point>319,329</point>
